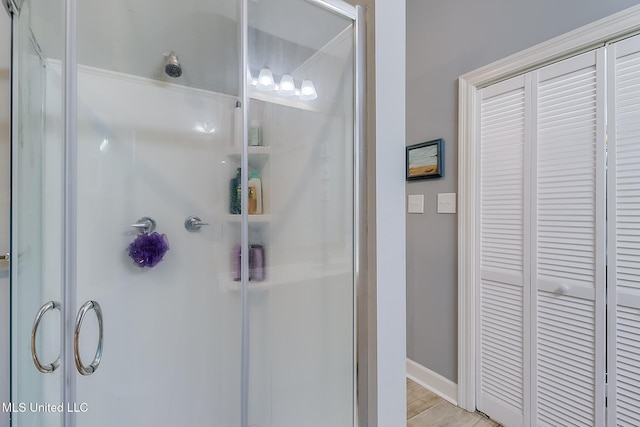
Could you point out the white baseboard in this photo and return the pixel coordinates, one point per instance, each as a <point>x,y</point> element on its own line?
<point>436,383</point>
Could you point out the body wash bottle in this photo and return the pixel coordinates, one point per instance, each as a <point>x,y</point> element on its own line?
<point>253,201</point>
<point>255,183</point>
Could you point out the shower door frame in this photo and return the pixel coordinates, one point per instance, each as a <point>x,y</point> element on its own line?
<point>361,385</point>
<point>69,205</point>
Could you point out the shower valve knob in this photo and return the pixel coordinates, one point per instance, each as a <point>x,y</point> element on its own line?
<point>193,223</point>
<point>145,225</point>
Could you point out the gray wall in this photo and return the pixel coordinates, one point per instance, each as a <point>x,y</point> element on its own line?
<point>445,40</point>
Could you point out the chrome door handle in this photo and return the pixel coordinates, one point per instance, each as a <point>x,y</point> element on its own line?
<point>88,370</point>
<point>5,257</point>
<point>45,369</point>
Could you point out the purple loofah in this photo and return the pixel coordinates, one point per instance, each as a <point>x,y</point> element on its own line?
<point>148,249</point>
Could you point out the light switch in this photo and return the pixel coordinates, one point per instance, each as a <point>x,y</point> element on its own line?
<point>416,203</point>
<point>447,203</point>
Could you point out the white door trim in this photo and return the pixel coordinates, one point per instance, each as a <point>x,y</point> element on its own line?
<point>585,38</point>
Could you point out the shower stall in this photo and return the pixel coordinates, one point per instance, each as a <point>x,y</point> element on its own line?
<point>185,213</point>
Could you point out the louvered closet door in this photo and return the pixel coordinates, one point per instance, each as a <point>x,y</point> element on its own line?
<point>624,233</point>
<point>568,220</point>
<point>502,303</point>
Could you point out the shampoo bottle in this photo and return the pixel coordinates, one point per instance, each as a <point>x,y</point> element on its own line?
<point>234,193</point>
<point>239,192</point>
<point>255,183</point>
<point>237,126</point>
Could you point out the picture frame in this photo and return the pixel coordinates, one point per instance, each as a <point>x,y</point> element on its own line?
<point>425,160</point>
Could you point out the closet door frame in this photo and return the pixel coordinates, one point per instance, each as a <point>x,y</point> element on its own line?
<point>580,40</point>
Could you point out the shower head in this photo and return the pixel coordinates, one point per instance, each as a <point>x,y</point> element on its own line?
<point>172,65</point>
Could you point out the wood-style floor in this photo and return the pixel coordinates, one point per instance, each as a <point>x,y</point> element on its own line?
<point>426,409</point>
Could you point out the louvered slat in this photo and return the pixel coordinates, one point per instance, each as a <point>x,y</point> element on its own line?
<point>560,365</point>
<point>628,369</point>
<point>501,343</point>
<point>627,146</point>
<point>566,179</point>
<point>567,360</point>
<point>502,136</point>
<point>501,308</point>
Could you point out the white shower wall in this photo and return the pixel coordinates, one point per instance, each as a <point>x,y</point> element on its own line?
<point>172,332</point>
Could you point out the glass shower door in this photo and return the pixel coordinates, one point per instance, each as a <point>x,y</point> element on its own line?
<point>36,221</point>
<point>300,215</point>
<point>157,91</point>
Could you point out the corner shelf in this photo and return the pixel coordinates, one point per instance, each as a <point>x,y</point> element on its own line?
<point>258,160</point>
<point>282,275</point>
<point>258,155</point>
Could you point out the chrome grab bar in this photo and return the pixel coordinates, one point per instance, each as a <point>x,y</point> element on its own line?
<point>45,369</point>
<point>88,370</point>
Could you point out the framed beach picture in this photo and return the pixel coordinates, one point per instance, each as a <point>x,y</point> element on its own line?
<point>425,160</point>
